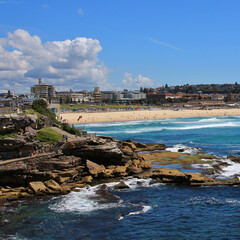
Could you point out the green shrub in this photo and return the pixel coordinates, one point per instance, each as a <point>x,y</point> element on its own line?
<point>72,130</point>
<point>41,107</point>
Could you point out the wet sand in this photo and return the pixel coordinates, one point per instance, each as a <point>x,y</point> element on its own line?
<point>94,117</point>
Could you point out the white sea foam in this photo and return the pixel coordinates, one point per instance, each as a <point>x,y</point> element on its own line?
<point>231,170</point>
<point>86,200</point>
<point>144,210</point>
<point>210,120</point>
<point>142,130</point>
<point>201,166</point>
<point>185,149</point>
<point>228,124</point>
<point>233,202</point>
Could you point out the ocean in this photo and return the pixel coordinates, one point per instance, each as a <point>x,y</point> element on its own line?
<point>147,210</point>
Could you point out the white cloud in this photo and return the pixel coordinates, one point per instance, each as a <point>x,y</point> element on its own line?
<point>139,81</point>
<point>70,63</point>
<point>80,11</point>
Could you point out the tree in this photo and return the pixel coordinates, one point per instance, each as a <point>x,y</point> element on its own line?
<point>166,86</point>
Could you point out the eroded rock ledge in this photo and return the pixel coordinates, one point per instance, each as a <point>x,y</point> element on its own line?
<point>86,161</point>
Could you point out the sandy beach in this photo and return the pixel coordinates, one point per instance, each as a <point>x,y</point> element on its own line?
<point>94,117</point>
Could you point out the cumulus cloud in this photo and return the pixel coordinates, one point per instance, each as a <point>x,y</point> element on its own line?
<point>69,64</point>
<point>80,11</point>
<point>139,81</point>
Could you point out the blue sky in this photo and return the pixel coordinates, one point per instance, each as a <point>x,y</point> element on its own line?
<point>119,43</point>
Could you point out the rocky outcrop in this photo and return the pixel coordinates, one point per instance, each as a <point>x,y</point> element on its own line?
<point>11,147</point>
<point>174,176</point>
<point>18,123</point>
<point>99,150</point>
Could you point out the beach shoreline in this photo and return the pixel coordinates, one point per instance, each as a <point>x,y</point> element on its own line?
<point>138,115</point>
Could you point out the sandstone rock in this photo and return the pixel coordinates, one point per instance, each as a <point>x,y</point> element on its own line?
<point>145,164</point>
<point>129,144</point>
<point>174,174</point>
<point>127,150</point>
<point>87,179</point>
<point>70,173</point>
<point>30,132</point>
<point>94,168</point>
<point>108,173</point>
<point>195,177</point>
<point>136,162</point>
<point>134,170</point>
<point>53,185</point>
<point>140,145</point>
<point>61,180</point>
<point>10,196</point>
<point>120,171</point>
<point>121,185</point>
<point>24,195</point>
<point>38,187</point>
<point>15,123</point>
<point>65,189</point>
<point>100,151</point>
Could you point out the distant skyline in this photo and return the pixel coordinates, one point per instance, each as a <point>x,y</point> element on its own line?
<point>117,44</point>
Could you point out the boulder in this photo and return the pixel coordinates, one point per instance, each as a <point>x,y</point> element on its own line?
<point>94,168</point>
<point>38,187</point>
<point>53,185</point>
<point>121,185</point>
<point>65,189</point>
<point>87,179</point>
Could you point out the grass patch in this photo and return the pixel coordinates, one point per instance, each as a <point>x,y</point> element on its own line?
<point>48,136</point>
<point>32,111</point>
<point>9,135</point>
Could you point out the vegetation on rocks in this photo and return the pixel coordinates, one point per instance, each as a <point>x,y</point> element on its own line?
<point>41,107</point>
<point>48,135</point>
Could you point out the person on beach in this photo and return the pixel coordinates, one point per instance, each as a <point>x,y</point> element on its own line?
<point>63,138</point>
<point>66,138</point>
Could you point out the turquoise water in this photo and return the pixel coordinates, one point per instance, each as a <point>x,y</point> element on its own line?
<point>146,210</point>
<point>215,135</point>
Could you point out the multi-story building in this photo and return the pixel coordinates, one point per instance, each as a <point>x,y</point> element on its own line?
<point>43,90</point>
<point>123,97</point>
<point>69,97</point>
<point>97,95</point>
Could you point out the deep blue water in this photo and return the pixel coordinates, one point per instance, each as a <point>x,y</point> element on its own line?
<point>145,211</point>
